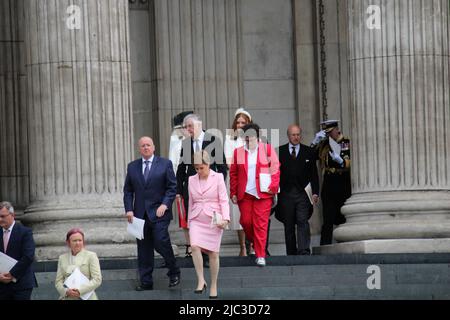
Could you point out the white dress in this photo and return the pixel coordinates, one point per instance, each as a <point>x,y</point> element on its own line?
<point>175,145</point>
<point>230,145</point>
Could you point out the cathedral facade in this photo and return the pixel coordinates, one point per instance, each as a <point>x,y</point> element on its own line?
<point>82,80</point>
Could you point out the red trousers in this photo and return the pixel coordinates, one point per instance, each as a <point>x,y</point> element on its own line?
<point>255,214</point>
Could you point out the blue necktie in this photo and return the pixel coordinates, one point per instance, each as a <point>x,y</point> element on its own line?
<point>146,170</point>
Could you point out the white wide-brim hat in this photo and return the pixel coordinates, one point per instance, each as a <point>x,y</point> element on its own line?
<point>242,111</point>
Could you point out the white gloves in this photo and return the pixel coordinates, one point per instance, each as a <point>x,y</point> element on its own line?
<point>336,158</point>
<point>319,137</point>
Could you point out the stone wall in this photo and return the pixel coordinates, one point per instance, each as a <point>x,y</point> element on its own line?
<point>14,169</point>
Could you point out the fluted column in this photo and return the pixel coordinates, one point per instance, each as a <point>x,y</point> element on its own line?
<point>80,128</point>
<point>400,90</point>
<point>13,119</point>
<point>197,61</point>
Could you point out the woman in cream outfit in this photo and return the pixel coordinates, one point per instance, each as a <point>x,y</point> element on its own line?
<point>232,142</point>
<point>86,261</point>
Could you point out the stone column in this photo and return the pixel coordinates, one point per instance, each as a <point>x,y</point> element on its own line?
<point>400,91</point>
<point>197,62</point>
<point>307,89</point>
<point>80,124</point>
<point>13,119</point>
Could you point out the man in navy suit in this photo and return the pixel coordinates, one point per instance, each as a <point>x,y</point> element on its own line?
<point>17,242</point>
<point>149,190</point>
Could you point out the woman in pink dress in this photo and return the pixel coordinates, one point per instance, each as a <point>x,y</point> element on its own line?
<point>209,214</point>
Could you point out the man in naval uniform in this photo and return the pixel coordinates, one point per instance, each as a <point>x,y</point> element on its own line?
<point>333,150</point>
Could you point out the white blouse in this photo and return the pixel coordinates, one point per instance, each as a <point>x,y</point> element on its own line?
<point>251,174</point>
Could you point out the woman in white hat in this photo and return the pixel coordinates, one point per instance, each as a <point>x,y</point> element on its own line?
<point>233,141</point>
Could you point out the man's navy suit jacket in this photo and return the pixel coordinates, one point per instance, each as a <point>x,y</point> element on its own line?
<point>21,247</point>
<point>160,188</point>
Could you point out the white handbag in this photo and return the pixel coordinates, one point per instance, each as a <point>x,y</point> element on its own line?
<point>216,219</point>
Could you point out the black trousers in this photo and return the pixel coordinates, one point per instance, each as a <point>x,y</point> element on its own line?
<point>156,237</point>
<point>297,210</point>
<point>8,293</point>
<point>335,191</point>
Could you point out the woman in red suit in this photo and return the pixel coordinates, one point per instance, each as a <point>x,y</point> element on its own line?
<point>208,199</point>
<point>253,164</point>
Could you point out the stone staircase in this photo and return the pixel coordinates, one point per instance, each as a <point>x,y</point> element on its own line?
<point>403,276</point>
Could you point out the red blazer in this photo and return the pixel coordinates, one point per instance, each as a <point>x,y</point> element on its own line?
<point>265,163</point>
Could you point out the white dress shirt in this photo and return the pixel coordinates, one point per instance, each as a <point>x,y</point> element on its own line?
<point>251,173</point>
<point>7,235</point>
<point>200,139</point>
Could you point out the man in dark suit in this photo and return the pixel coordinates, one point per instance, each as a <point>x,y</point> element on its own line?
<point>298,169</point>
<point>199,140</point>
<point>17,242</point>
<point>149,191</point>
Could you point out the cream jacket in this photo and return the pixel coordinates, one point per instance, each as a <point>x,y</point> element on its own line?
<point>89,265</point>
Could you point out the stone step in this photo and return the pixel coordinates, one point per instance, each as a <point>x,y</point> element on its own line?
<point>345,281</point>
<point>422,292</point>
<point>276,260</point>
<point>342,274</point>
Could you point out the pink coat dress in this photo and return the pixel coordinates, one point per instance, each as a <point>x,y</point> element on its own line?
<point>205,198</point>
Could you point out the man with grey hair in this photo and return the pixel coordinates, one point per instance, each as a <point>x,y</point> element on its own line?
<point>197,140</point>
<point>16,241</point>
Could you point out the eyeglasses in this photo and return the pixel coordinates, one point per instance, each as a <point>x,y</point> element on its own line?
<point>3,216</point>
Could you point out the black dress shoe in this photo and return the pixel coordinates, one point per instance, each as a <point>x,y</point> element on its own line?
<point>174,281</point>
<point>188,253</point>
<point>144,287</point>
<point>213,297</point>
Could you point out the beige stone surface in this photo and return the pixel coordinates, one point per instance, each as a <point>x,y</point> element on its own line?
<point>79,122</point>
<point>400,96</point>
<point>387,246</point>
